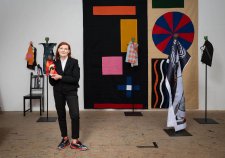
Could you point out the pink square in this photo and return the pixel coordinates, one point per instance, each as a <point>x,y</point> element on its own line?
<point>112,66</point>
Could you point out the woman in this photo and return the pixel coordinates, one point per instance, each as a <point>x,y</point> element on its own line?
<point>65,85</point>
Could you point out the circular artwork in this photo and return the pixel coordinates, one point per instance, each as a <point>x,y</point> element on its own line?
<point>169,24</point>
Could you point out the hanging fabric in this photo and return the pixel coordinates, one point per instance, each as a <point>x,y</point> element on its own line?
<point>178,59</point>
<point>132,54</point>
<point>31,57</point>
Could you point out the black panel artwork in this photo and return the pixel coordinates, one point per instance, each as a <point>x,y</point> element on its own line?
<point>109,81</point>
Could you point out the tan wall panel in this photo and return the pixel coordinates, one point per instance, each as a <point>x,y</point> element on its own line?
<point>190,74</point>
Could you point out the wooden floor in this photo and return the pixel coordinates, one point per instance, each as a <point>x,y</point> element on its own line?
<point>110,134</point>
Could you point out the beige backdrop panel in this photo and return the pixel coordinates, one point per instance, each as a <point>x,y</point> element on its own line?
<point>190,74</point>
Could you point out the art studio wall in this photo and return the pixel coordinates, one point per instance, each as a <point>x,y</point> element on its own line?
<point>62,20</point>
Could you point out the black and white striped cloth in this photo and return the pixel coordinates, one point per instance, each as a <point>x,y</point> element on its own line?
<point>177,61</point>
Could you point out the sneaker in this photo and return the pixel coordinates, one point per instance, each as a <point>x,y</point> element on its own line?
<point>63,144</point>
<point>78,146</point>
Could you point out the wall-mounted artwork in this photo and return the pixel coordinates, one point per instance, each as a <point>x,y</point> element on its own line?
<point>109,27</point>
<point>168,19</point>
<point>167,26</point>
<point>160,97</point>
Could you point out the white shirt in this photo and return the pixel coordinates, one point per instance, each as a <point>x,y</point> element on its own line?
<point>63,62</point>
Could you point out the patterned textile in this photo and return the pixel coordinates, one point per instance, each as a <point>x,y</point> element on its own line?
<point>132,54</point>
<point>160,97</point>
<point>178,59</point>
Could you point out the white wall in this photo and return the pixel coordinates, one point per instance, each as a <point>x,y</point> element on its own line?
<point>212,24</point>
<point>25,20</point>
<point>61,20</point>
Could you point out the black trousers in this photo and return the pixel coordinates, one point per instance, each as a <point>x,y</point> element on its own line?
<point>71,98</point>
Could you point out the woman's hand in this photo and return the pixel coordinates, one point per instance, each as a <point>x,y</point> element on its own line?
<point>56,76</point>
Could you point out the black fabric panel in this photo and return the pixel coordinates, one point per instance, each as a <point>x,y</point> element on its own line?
<point>159,99</point>
<point>102,38</point>
<point>207,54</point>
<point>167,3</point>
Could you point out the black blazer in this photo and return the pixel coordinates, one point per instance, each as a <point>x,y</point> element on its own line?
<point>70,76</point>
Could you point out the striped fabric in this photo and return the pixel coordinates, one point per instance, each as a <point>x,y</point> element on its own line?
<point>178,59</point>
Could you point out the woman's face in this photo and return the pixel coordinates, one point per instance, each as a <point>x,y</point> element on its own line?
<point>63,50</point>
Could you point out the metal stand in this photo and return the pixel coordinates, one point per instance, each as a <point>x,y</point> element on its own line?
<point>47,119</point>
<point>133,113</point>
<point>172,133</point>
<point>205,120</point>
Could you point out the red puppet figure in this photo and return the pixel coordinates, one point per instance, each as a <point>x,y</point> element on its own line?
<point>50,67</point>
